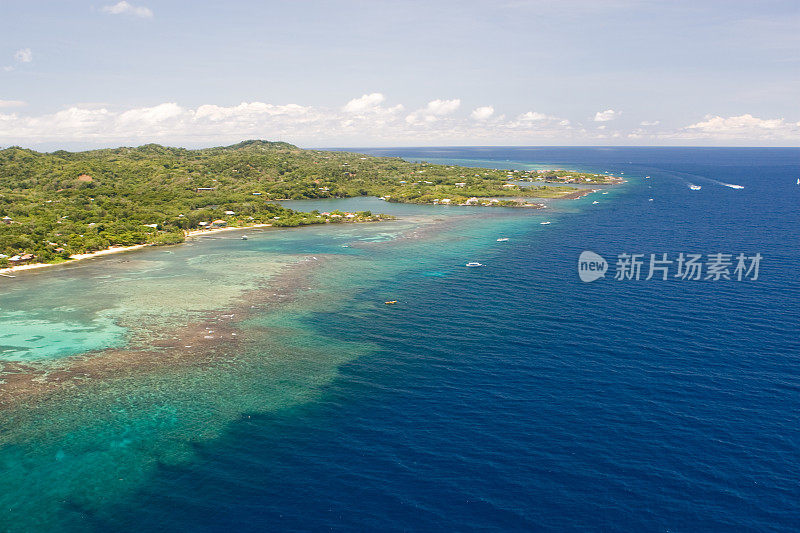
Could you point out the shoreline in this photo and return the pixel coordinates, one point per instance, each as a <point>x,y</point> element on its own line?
<point>198,232</point>
<point>9,271</point>
<point>77,257</point>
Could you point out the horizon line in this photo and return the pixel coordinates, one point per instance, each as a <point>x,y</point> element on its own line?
<point>389,147</point>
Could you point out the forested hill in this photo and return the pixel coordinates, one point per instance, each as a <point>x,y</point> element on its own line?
<point>83,201</point>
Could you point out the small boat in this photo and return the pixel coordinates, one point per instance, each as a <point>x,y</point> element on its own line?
<point>391,302</point>
<point>502,239</point>
<point>474,264</point>
<point>244,237</point>
<point>544,223</point>
<point>595,202</point>
<point>798,181</point>
<point>695,187</point>
<point>606,192</point>
<point>647,177</point>
<point>649,199</point>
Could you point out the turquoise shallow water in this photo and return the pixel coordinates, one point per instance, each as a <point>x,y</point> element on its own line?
<point>26,338</point>
<point>510,397</point>
<point>116,431</point>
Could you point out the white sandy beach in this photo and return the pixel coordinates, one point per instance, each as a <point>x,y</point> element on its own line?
<point>196,232</point>
<point>76,257</point>
<point>9,271</point>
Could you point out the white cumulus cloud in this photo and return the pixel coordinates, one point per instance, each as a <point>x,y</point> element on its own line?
<point>11,103</point>
<point>533,116</point>
<point>23,55</point>
<point>738,124</point>
<point>366,102</point>
<point>743,128</point>
<point>605,116</point>
<point>364,118</point>
<point>433,111</point>
<point>151,115</point>
<point>482,113</point>
<point>650,123</point>
<point>252,111</point>
<point>538,121</point>
<point>125,8</point>
<point>362,121</point>
<point>442,107</point>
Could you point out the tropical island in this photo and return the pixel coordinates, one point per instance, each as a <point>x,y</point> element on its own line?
<point>56,206</point>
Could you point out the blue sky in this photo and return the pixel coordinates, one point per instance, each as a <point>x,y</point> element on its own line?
<point>372,73</point>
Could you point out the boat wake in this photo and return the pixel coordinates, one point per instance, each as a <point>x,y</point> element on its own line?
<point>682,176</point>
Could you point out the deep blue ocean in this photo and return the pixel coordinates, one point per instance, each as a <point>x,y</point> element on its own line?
<point>518,398</point>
